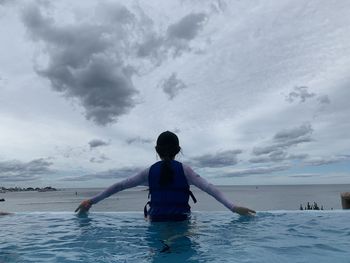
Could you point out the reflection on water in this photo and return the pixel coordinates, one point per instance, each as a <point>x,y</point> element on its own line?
<point>167,239</point>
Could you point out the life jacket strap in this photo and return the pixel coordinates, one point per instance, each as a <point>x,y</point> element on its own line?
<point>192,196</point>
<point>145,209</point>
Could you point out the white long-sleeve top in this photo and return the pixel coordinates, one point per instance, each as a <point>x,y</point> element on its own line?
<point>142,179</point>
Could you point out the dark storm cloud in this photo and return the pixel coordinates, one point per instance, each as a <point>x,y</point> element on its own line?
<point>109,174</point>
<point>97,143</point>
<point>256,170</point>
<point>14,171</point>
<point>300,94</point>
<point>280,144</point>
<point>220,159</point>
<point>138,140</point>
<point>84,63</point>
<point>172,86</point>
<point>93,63</point>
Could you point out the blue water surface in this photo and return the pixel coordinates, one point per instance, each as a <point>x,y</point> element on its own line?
<point>306,236</point>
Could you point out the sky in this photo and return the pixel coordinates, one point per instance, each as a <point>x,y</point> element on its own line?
<point>257,91</point>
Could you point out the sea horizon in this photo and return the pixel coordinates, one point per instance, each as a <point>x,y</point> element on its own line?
<point>258,197</point>
<point>218,185</point>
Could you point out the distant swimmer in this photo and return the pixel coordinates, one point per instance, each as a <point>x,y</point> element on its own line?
<point>169,186</point>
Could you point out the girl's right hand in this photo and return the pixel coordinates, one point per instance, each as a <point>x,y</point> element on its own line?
<point>84,207</point>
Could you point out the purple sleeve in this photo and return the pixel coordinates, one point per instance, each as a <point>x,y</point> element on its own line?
<point>139,179</point>
<point>194,179</point>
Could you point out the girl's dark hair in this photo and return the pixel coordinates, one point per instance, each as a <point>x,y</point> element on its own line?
<point>167,148</point>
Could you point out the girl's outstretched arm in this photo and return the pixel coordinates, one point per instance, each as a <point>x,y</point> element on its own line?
<point>194,179</point>
<point>139,179</point>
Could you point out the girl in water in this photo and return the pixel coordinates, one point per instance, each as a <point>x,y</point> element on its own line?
<point>169,186</point>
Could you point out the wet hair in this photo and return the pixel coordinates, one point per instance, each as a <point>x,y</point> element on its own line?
<point>167,148</point>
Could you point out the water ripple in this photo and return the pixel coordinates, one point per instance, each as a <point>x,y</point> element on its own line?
<point>212,237</point>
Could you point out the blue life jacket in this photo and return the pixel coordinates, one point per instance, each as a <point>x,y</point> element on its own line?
<point>169,202</point>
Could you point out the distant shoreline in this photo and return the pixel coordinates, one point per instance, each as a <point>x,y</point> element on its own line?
<point>27,189</point>
<point>49,188</point>
<point>223,185</point>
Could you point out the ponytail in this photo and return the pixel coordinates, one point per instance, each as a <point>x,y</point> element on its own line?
<point>167,148</point>
<point>166,172</point>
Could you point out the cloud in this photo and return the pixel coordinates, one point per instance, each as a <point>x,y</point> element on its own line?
<point>256,170</point>
<point>112,12</point>
<point>286,138</point>
<point>70,152</point>
<point>326,160</point>
<point>188,27</point>
<point>182,32</point>
<point>85,62</point>
<point>281,142</point>
<point>97,143</point>
<point>172,86</point>
<point>277,156</point>
<point>14,171</point>
<point>294,134</point>
<point>109,174</point>
<point>93,62</point>
<point>100,159</point>
<point>2,82</point>
<point>138,140</point>
<point>304,175</point>
<point>265,149</point>
<point>175,40</point>
<point>177,130</point>
<point>323,99</point>
<point>4,2</point>
<point>150,47</point>
<point>300,93</point>
<point>220,159</point>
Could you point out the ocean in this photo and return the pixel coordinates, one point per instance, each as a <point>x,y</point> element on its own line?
<point>43,228</point>
<point>259,198</point>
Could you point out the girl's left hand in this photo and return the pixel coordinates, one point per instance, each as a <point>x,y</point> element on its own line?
<point>243,211</point>
<point>83,207</point>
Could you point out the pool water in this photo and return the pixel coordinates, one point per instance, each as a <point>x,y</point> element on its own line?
<point>281,236</point>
